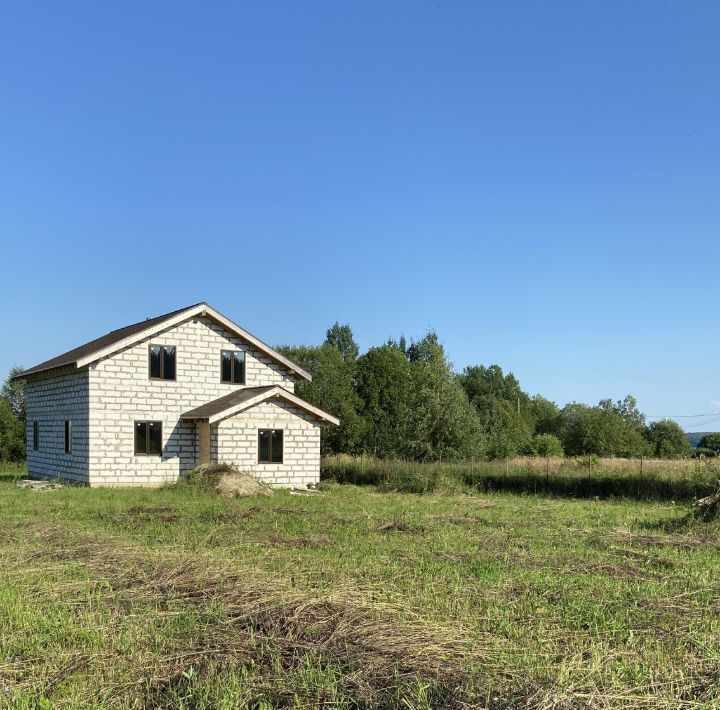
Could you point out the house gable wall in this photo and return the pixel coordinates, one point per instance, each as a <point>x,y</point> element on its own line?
<point>235,441</point>
<point>121,393</point>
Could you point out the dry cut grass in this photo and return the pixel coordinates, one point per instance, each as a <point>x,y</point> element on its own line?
<point>374,657</point>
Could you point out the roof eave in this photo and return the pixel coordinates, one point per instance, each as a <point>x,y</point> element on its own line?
<point>277,391</point>
<point>27,374</point>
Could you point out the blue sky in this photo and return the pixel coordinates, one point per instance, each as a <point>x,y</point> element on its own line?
<point>538,182</point>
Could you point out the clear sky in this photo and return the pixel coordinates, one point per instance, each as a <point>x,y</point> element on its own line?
<point>538,181</point>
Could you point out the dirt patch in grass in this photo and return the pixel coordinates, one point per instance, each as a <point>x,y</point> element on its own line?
<point>149,509</point>
<point>297,542</point>
<point>232,516</point>
<point>644,557</point>
<point>399,526</point>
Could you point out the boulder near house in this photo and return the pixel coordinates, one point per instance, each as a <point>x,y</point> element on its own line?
<point>146,403</point>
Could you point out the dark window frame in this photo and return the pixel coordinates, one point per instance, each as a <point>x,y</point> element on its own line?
<point>162,362</point>
<point>231,381</point>
<point>147,423</point>
<point>68,436</point>
<point>36,435</point>
<point>269,460</point>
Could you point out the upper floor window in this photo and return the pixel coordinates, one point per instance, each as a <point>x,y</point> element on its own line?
<point>162,362</point>
<point>36,436</point>
<point>232,367</point>
<point>148,438</point>
<point>68,437</point>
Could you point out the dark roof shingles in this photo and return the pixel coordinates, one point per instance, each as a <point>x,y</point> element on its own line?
<point>104,341</point>
<point>223,403</point>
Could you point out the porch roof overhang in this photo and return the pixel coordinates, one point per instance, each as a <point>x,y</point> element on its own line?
<point>248,397</point>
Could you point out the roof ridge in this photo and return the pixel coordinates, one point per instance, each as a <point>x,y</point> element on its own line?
<point>153,318</point>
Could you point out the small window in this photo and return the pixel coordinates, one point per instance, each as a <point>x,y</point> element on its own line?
<point>270,446</point>
<point>36,436</point>
<point>232,367</point>
<point>148,438</point>
<point>68,437</point>
<point>162,362</point>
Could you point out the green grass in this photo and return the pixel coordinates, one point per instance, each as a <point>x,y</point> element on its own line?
<point>12,469</point>
<point>354,598</point>
<point>577,478</point>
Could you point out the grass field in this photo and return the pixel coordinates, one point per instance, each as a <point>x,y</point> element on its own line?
<point>354,598</point>
<point>587,477</point>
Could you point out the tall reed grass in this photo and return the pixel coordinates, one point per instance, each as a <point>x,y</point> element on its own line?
<point>582,478</point>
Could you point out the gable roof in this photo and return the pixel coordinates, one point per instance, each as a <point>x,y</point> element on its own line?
<point>123,337</point>
<point>247,397</point>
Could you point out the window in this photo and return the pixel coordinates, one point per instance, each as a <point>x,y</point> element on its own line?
<point>162,362</point>
<point>148,438</point>
<point>68,437</point>
<point>270,446</point>
<point>232,367</point>
<point>36,436</point>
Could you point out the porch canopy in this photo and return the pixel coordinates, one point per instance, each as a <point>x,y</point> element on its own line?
<point>247,397</point>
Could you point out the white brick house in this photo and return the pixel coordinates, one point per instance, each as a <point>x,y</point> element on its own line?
<point>146,403</point>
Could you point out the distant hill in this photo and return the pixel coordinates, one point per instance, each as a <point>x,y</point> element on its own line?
<point>695,436</point>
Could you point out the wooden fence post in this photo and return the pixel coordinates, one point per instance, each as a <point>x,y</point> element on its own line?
<point>547,469</point>
<point>507,465</point>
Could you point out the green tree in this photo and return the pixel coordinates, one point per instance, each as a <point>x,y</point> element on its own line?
<point>384,384</point>
<point>711,442</point>
<point>505,411</point>
<point>12,434</point>
<point>333,390</point>
<point>668,439</point>
<point>443,423</point>
<point>341,337</point>
<point>600,430</point>
<point>545,415</point>
<point>626,408</point>
<point>478,381</point>
<point>14,393</point>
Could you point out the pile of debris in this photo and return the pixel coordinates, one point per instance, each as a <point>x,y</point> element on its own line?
<point>38,485</point>
<point>707,508</point>
<point>226,480</point>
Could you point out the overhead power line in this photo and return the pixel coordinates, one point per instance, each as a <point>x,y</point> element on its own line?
<point>681,416</point>
<point>704,424</point>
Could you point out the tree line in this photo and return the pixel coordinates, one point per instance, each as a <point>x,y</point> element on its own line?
<point>404,400</point>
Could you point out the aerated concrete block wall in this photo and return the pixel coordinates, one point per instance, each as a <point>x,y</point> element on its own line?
<point>235,441</point>
<point>50,402</point>
<point>121,393</point>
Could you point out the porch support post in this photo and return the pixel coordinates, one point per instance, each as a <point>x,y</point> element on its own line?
<point>204,433</point>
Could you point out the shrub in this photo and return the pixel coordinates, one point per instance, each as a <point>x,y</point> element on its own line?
<point>547,445</point>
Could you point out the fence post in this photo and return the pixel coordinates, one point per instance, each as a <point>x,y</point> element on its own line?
<point>641,466</point>
<point>547,469</point>
<point>507,466</point>
<point>472,464</point>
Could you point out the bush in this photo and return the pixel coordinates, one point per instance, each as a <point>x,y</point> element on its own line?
<point>547,445</point>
